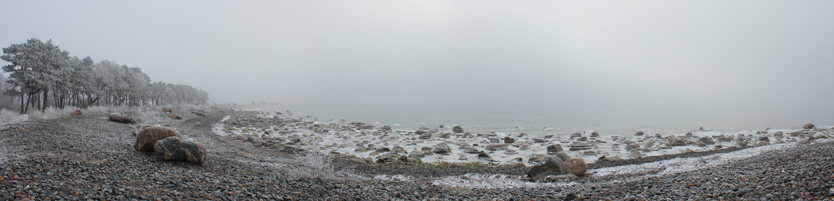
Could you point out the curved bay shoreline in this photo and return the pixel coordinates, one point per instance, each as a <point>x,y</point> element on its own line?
<point>87,157</point>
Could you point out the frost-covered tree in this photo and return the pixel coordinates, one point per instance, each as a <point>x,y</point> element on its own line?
<point>41,73</point>
<point>34,67</point>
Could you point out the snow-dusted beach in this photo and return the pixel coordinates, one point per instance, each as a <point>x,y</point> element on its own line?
<point>86,157</point>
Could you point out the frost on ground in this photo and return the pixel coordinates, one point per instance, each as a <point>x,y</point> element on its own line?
<point>10,117</point>
<point>678,165</point>
<point>394,178</point>
<point>491,181</point>
<point>628,172</point>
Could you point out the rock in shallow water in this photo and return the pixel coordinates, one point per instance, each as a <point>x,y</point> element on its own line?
<point>176,149</point>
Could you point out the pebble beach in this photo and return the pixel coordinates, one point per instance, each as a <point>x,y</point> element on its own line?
<point>89,158</point>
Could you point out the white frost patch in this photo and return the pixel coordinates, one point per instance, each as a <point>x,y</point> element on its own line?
<point>398,177</point>
<point>678,165</point>
<point>491,181</point>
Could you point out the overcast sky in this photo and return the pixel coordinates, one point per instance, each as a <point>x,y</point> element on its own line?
<point>726,54</point>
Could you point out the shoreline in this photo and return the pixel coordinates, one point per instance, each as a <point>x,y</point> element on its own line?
<point>87,157</point>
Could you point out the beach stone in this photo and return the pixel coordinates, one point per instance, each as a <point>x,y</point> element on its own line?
<point>468,135</point>
<point>700,144</point>
<point>609,158</point>
<point>808,126</point>
<point>445,135</point>
<point>562,155</point>
<point>457,129</point>
<point>724,139</point>
<point>536,158</point>
<point>425,136</point>
<point>387,128</point>
<point>576,166</point>
<point>420,132</point>
<point>470,149</point>
<point>639,133</point>
<point>147,138</point>
<point>399,149</point>
<point>483,155</point>
<point>688,135</point>
<point>582,139</point>
<point>174,116</point>
<point>579,146</point>
<point>778,134</point>
<point>76,112</point>
<point>510,152</point>
<point>139,127</point>
<point>416,154</point>
<point>677,142</point>
<point>548,136</point>
<point>551,166</point>
<point>117,117</point>
<point>494,140</point>
<point>594,134</point>
<point>442,148</point>
<point>496,146</point>
<point>509,140</point>
<point>576,135</point>
<point>764,138</point>
<point>176,149</point>
<point>539,140</point>
<point>706,140</point>
<point>553,148</point>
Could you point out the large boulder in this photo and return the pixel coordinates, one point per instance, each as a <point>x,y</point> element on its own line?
<point>706,140</point>
<point>496,146</point>
<point>76,112</point>
<point>174,116</point>
<point>387,128</point>
<point>553,148</point>
<point>117,117</point>
<point>509,140</point>
<point>140,127</point>
<point>808,126</point>
<point>551,166</point>
<point>176,149</point>
<point>594,134</point>
<point>470,150</point>
<point>579,146</point>
<point>442,148</point>
<point>147,138</point>
<point>457,129</point>
<point>576,166</point>
<point>562,155</point>
<point>676,142</point>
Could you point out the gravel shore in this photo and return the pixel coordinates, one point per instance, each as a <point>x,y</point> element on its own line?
<point>89,158</point>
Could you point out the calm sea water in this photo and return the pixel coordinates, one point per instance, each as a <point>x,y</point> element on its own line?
<point>539,119</point>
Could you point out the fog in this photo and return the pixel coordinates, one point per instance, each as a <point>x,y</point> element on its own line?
<point>692,56</point>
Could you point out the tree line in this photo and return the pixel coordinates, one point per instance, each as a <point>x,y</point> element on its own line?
<point>42,76</point>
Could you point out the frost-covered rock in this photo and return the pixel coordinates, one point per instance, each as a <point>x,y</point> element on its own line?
<point>176,149</point>
<point>706,140</point>
<point>576,166</point>
<point>442,148</point>
<point>496,146</point>
<point>553,148</point>
<point>76,112</point>
<point>551,166</point>
<point>140,127</point>
<point>457,129</point>
<point>147,138</point>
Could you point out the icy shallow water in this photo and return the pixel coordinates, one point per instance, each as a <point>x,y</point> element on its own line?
<point>354,140</point>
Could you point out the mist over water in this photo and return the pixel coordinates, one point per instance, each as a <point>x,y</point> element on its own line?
<point>533,119</point>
